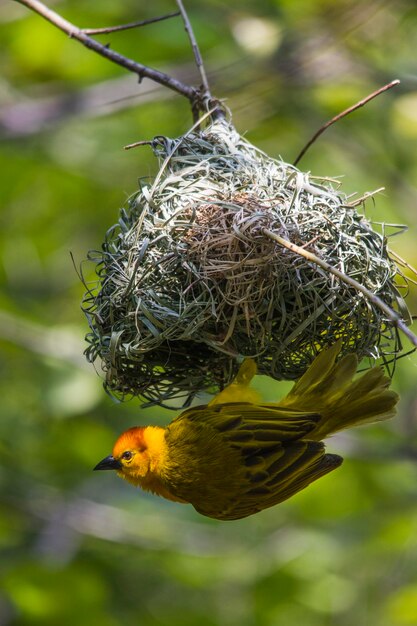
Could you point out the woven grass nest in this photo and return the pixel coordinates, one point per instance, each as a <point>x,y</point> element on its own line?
<point>189,282</point>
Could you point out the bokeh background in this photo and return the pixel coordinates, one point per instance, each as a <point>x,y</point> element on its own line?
<point>79,548</point>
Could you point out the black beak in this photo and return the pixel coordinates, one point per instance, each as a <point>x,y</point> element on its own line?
<point>109,463</point>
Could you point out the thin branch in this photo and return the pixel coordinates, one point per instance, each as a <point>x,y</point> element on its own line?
<point>137,143</point>
<point>137,68</point>
<point>404,263</point>
<point>115,29</point>
<point>196,50</point>
<point>344,113</point>
<point>392,315</point>
<point>365,196</point>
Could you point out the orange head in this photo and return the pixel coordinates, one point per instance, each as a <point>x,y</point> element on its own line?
<point>130,456</point>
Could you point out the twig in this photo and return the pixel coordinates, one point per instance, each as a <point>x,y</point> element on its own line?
<point>115,29</point>
<point>137,143</point>
<point>404,263</point>
<point>137,68</point>
<point>393,316</point>
<point>196,50</point>
<point>365,196</point>
<point>344,113</point>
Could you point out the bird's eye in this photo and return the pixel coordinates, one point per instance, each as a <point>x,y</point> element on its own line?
<point>127,455</point>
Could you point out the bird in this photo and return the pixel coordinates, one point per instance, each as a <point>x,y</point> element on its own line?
<point>237,455</point>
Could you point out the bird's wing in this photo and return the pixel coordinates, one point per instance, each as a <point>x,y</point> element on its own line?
<point>271,478</point>
<point>246,424</point>
<point>243,458</point>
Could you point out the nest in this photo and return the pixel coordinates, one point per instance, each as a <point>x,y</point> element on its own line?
<point>189,280</point>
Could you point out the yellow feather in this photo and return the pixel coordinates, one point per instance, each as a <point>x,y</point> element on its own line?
<point>239,390</point>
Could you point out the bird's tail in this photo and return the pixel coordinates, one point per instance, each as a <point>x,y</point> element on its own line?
<point>327,388</point>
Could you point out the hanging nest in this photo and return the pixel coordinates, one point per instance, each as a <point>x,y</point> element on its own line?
<point>188,279</point>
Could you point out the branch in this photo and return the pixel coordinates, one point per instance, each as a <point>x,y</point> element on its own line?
<point>393,316</point>
<point>195,48</point>
<point>116,29</point>
<point>344,113</point>
<point>191,93</point>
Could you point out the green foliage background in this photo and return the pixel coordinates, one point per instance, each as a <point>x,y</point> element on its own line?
<point>79,548</point>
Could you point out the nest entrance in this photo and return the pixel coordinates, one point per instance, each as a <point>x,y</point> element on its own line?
<point>188,280</point>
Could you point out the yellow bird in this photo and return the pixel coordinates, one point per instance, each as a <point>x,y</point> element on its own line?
<point>236,455</point>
